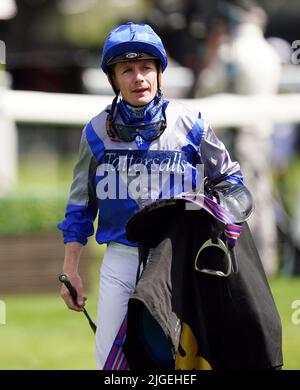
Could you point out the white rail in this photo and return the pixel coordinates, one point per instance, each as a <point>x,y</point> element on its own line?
<point>220,110</point>
<point>67,109</point>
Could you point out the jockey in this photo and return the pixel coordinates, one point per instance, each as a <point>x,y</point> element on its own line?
<point>141,148</point>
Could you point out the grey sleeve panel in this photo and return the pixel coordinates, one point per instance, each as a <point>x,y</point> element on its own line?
<point>215,157</point>
<point>81,186</point>
<point>91,187</point>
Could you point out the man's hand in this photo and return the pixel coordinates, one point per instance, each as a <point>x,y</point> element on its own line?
<point>76,282</point>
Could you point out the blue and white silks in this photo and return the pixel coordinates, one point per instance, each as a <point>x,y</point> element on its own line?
<point>117,179</point>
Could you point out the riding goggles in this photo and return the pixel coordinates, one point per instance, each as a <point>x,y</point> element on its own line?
<point>128,133</point>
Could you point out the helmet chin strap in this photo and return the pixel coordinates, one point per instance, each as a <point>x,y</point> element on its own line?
<point>109,117</point>
<point>159,73</point>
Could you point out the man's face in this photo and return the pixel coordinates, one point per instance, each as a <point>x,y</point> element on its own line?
<point>137,81</point>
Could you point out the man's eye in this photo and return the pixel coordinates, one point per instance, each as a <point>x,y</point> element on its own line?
<point>150,67</point>
<point>126,70</point>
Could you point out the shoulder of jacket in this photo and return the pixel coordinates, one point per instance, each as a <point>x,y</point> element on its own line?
<point>188,116</point>
<point>94,134</point>
<point>190,119</point>
<point>183,110</point>
<point>96,126</point>
<point>98,121</point>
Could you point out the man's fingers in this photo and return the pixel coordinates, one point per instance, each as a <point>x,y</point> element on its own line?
<point>72,292</point>
<point>77,306</point>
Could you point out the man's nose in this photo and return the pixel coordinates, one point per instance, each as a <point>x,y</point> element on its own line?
<point>139,76</point>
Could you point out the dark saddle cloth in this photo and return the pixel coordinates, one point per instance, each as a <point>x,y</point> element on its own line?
<point>181,318</point>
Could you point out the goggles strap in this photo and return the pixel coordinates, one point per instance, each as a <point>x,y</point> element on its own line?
<point>109,119</point>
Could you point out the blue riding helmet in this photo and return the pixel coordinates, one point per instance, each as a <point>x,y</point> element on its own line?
<point>133,41</point>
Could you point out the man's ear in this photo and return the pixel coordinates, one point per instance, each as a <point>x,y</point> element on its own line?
<point>113,82</point>
<point>159,75</point>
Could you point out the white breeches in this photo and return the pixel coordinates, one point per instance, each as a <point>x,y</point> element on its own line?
<point>117,283</point>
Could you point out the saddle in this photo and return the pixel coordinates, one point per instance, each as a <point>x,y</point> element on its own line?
<point>192,308</point>
<point>230,205</point>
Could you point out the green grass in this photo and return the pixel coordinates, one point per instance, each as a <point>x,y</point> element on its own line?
<point>41,333</point>
<point>285,291</point>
